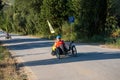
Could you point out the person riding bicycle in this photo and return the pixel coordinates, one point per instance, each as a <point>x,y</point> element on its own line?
<point>59,43</point>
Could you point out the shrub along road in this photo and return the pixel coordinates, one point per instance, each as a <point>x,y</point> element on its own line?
<point>92,62</point>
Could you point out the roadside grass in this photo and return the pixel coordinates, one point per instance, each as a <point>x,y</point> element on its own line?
<point>113,43</point>
<point>107,42</point>
<point>8,66</point>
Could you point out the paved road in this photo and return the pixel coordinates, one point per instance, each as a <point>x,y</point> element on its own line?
<point>92,63</point>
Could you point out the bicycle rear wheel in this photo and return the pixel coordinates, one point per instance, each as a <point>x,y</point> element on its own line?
<point>74,51</point>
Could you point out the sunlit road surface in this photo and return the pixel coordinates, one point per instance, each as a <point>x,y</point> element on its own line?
<point>92,63</point>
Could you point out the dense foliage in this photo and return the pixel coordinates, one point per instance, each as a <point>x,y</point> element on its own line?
<point>94,19</point>
<point>1,5</point>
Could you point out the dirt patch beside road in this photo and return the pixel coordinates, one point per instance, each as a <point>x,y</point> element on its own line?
<point>8,67</point>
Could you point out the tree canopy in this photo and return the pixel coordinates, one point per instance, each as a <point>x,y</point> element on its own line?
<point>92,17</point>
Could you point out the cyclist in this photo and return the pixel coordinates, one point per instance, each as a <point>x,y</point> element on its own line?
<point>59,43</point>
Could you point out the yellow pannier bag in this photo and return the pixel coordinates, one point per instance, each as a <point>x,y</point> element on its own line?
<point>53,48</point>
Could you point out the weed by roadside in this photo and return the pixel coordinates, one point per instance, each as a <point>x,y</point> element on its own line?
<point>8,66</point>
<point>113,43</point>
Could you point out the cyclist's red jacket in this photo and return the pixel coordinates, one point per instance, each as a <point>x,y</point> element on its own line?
<point>59,43</point>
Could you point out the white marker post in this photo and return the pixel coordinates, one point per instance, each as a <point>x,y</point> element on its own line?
<point>50,27</point>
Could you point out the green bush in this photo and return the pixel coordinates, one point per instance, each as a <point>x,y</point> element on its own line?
<point>118,41</point>
<point>108,40</point>
<point>113,42</point>
<point>97,38</point>
<point>68,32</point>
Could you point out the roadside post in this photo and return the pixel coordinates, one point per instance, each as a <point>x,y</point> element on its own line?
<point>71,20</point>
<point>51,29</point>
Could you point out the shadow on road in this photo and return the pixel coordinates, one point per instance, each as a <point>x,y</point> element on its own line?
<point>22,44</point>
<point>23,55</point>
<point>81,57</point>
<point>30,45</point>
<point>18,40</point>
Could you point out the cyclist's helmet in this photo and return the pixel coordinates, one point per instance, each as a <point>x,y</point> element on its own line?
<point>58,37</point>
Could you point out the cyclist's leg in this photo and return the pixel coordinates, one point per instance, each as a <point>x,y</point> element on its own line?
<point>63,48</point>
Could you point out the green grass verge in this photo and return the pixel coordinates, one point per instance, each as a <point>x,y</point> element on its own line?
<point>113,42</point>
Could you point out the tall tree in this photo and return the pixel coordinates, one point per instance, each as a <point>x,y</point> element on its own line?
<point>55,12</point>
<point>93,16</point>
<point>27,15</point>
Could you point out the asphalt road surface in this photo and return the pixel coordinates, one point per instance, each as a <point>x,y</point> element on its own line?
<point>92,63</point>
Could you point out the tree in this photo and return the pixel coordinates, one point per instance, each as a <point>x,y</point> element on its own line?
<point>1,5</point>
<point>55,12</point>
<point>27,15</point>
<point>93,16</point>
